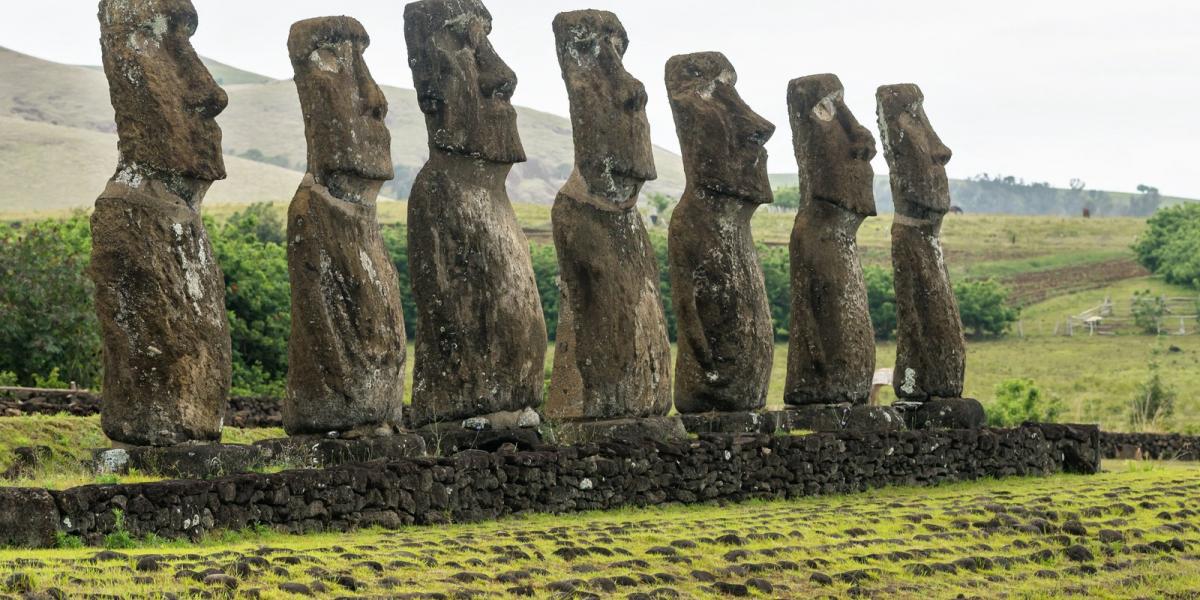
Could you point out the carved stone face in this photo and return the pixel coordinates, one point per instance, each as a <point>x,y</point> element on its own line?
<point>613,152</point>
<point>463,87</point>
<point>344,109</point>
<point>833,150</point>
<point>723,141</point>
<point>916,156</point>
<point>165,99</point>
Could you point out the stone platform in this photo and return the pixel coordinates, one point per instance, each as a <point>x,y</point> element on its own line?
<point>760,421</point>
<point>206,461</point>
<point>840,417</point>
<point>666,429</point>
<point>943,413</point>
<point>473,486</point>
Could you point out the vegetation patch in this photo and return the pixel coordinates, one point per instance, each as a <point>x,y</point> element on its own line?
<point>1125,533</point>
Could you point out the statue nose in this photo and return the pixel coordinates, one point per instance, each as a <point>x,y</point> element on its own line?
<point>637,97</point>
<point>940,153</point>
<point>210,102</point>
<point>862,143</point>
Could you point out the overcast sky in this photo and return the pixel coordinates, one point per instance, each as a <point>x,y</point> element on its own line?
<point>1048,90</point>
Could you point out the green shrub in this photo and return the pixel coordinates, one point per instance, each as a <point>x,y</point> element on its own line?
<point>1148,311</point>
<point>9,379</point>
<point>982,305</point>
<point>1021,400</point>
<point>51,381</point>
<point>1154,403</point>
<point>1170,245</point>
<point>253,257</point>
<point>46,315</point>
<point>881,301</point>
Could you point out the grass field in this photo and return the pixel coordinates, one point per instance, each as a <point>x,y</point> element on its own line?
<point>1125,533</point>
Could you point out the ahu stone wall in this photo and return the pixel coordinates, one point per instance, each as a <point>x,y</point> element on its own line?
<point>475,485</point>
<point>242,412</point>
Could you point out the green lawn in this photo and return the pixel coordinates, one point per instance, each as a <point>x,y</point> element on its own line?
<point>1121,534</point>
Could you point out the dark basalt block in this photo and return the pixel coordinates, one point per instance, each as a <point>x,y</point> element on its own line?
<point>446,439</point>
<point>841,417</point>
<point>28,518</point>
<point>765,421</point>
<point>943,413</point>
<point>319,451</point>
<point>184,461</point>
<point>661,429</point>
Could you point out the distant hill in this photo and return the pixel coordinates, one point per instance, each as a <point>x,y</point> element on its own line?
<point>50,167</point>
<point>1014,197</point>
<point>262,125</point>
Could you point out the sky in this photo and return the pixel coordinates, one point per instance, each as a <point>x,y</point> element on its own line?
<point>1106,91</point>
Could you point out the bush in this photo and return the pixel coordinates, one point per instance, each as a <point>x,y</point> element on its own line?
<point>1148,311</point>
<point>1154,403</point>
<point>881,301</point>
<point>1021,400</point>
<point>46,302</point>
<point>1170,245</point>
<point>253,257</point>
<point>982,305</point>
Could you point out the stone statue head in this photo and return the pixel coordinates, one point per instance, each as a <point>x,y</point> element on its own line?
<point>344,109</point>
<point>613,153</point>
<point>833,150</point>
<point>165,100</point>
<point>915,155</point>
<point>723,141</point>
<point>463,87</point>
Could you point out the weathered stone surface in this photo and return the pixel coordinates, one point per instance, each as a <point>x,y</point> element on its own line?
<point>28,518</point>
<point>160,296</point>
<point>612,355</point>
<point>762,421</point>
<point>473,486</point>
<point>347,348</point>
<point>725,333</point>
<point>164,97</point>
<point>481,336</point>
<point>943,413</point>
<point>930,350</point>
<point>841,417</point>
<point>632,430</point>
<point>831,350</point>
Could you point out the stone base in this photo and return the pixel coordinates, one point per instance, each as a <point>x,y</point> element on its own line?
<point>840,417</point>
<point>28,518</point>
<point>943,413</point>
<point>764,421</point>
<point>662,429</point>
<point>314,451</point>
<point>206,461</point>
<point>444,439</point>
<point>186,461</point>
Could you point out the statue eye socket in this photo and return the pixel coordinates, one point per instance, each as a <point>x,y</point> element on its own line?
<point>825,110</point>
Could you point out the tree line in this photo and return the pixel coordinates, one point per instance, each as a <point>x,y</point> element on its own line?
<point>49,322</point>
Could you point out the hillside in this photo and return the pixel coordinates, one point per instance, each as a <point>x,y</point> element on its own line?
<point>262,124</point>
<point>1015,197</point>
<point>50,167</point>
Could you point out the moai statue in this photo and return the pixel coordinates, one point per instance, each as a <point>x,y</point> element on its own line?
<point>831,349</point>
<point>347,347</point>
<point>612,355</point>
<point>930,351</point>
<point>725,334</point>
<point>160,296</point>
<point>481,337</point>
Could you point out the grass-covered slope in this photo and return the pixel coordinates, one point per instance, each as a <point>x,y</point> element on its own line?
<point>1122,534</point>
<point>263,122</point>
